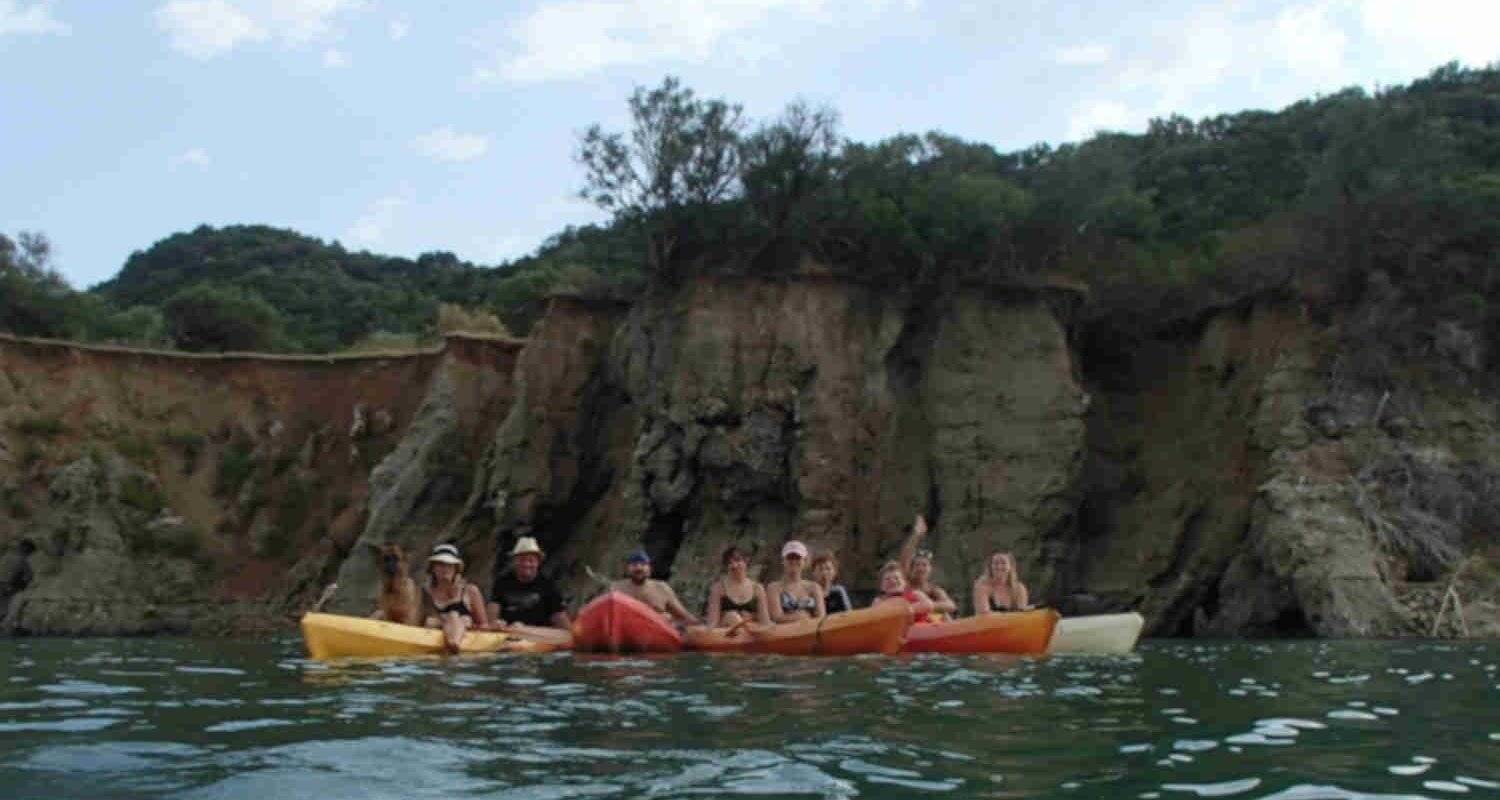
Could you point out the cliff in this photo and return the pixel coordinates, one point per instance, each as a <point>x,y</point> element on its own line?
<point>147,491</point>
<point>1219,478</point>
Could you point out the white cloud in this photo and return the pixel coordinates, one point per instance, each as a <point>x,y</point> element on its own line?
<point>447,144</point>
<point>333,58</point>
<point>1100,115</point>
<point>1433,31</point>
<point>1082,55</point>
<point>197,157</point>
<point>203,29</point>
<point>567,39</point>
<point>398,29</point>
<point>302,21</point>
<point>1310,43</point>
<point>35,18</point>
<point>376,222</point>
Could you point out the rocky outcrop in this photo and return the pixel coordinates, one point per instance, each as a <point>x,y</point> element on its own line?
<point>1220,477</point>
<point>144,492</point>
<point>751,412</point>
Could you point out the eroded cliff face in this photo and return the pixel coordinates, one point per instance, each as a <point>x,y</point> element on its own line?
<point>1217,479</point>
<point>148,492</point>
<point>752,412</point>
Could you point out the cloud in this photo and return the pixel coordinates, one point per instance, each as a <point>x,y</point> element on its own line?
<point>566,39</point>
<point>333,58</point>
<point>35,18</point>
<point>398,29</point>
<point>197,157</point>
<point>204,29</point>
<point>302,21</point>
<point>1309,42</point>
<point>446,144</point>
<point>1100,115</point>
<point>1432,32</point>
<point>376,222</point>
<point>1082,55</point>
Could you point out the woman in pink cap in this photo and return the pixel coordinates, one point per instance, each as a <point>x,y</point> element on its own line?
<point>794,597</point>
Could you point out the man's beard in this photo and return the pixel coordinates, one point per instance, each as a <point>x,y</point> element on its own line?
<point>638,580</point>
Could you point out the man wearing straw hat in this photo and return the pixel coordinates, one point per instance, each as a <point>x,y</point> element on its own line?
<point>524,596</point>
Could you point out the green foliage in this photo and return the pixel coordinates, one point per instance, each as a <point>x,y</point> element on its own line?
<point>140,493</point>
<point>680,157</point>
<point>208,317</point>
<point>45,426</point>
<point>235,465</point>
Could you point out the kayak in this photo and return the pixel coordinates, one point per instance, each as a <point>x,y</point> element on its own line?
<point>866,630</point>
<point>1101,634</point>
<point>1015,632</point>
<point>339,636</point>
<point>615,622</point>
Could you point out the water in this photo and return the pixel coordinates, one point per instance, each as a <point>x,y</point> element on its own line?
<point>233,719</point>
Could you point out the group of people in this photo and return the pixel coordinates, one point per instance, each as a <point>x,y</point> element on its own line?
<point>525,598</point>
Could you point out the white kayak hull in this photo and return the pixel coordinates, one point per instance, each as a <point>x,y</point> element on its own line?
<point>1098,634</point>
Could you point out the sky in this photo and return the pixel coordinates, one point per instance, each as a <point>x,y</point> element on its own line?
<point>409,127</point>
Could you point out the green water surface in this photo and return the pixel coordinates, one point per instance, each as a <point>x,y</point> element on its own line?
<point>245,719</point>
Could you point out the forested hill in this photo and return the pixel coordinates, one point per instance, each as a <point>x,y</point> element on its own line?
<point>1390,199</point>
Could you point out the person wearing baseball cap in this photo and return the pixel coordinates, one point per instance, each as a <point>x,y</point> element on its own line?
<point>524,596</point>
<point>639,584</point>
<point>794,597</point>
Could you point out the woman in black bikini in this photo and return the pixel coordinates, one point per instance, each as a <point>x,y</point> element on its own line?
<point>1000,587</point>
<point>795,598</point>
<point>734,599</point>
<point>450,602</point>
<point>835,599</point>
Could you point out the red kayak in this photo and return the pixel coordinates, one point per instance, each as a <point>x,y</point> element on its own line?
<point>615,622</point>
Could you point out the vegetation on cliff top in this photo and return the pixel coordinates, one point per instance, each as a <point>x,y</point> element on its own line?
<point>1384,202</point>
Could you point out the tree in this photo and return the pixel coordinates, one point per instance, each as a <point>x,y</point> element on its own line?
<point>34,299</point>
<point>209,317</point>
<point>680,157</point>
<point>785,162</point>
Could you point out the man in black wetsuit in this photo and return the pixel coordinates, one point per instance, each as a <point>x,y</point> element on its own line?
<point>524,596</point>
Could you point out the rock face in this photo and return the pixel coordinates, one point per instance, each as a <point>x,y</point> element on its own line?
<point>1223,479</point>
<point>752,412</point>
<point>147,492</point>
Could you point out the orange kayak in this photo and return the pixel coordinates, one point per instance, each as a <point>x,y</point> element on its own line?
<point>615,622</point>
<point>1017,632</point>
<point>866,630</point>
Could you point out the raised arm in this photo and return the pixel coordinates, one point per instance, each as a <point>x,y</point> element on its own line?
<point>909,547</point>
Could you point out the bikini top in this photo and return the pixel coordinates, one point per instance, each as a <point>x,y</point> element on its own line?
<point>790,603</point>
<point>727,603</point>
<point>456,607</point>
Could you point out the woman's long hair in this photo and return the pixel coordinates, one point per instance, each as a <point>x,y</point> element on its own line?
<point>1012,577</point>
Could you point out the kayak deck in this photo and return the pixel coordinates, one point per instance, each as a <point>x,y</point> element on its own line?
<point>880,629</point>
<point>1098,634</point>
<point>1014,632</point>
<point>615,622</point>
<point>339,636</point>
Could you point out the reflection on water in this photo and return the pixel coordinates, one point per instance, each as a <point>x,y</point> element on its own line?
<point>1293,721</point>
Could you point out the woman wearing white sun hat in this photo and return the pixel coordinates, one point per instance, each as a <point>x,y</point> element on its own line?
<point>451,603</point>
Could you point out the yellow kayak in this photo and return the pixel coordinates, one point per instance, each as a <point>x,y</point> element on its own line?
<point>338,636</point>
